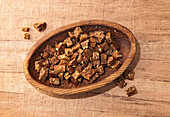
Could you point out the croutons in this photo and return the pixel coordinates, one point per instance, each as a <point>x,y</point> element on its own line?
<point>81,58</point>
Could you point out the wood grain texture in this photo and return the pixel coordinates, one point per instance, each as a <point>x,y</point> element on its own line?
<point>149,20</point>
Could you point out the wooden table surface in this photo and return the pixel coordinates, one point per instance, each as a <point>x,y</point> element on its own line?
<point>149,20</point>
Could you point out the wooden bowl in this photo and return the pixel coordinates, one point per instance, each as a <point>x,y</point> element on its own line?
<point>123,37</point>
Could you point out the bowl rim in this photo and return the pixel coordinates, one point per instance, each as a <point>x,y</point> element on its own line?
<point>48,90</point>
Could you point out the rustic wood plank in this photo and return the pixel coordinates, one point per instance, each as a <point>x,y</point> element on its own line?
<point>147,19</point>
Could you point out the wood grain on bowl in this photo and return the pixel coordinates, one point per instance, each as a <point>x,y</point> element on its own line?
<point>123,37</point>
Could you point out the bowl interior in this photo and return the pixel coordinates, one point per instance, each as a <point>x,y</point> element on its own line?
<point>121,39</point>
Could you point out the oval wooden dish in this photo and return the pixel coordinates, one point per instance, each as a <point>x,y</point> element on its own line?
<point>124,39</point>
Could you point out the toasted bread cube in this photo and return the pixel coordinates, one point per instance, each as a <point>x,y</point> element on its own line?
<point>63,62</point>
<point>25,29</point>
<point>79,68</point>
<point>103,59</point>
<point>93,40</point>
<point>96,62</point>
<point>38,58</point>
<point>50,50</point>
<point>77,31</point>
<point>90,65</point>
<point>110,61</point>
<point>80,51</point>
<point>87,53</point>
<point>76,47</point>
<point>108,35</point>
<point>60,68</point>
<point>61,75</point>
<point>105,46</point>
<point>91,48</point>
<point>43,74</point>
<point>120,82</point>
<point>96,59</point>
<point>26,36</point>
<point>116,54</point>
<point>51,67</point>
<point>69,51</point>
<point>70,69</point>
<point>67,76</point>
<point>108,38</point>
<point>75,40</point>
<point>54,60</point>
<point>129,75</point>
<point>52,73</point>
<point>98,48</point>
<point>73,63</point>
<point>96,56</point>
<point>85,44</point>
<point>46,63</point>
<point>80,58</point>
<point>55,81</point>
<point>131,91</point>
<point>40,26</point>
<point>76,75</point>
<point>84,62</point>
<point>60,47</point>
<point>100,36</point>
<point>116,65</point>
<point>68,42</point>
<point>80,80</point>
<point>38,65</point>
<point>74,55</point>
<point>71,34</point>
<point>93,44</point>
<point>87,73</point>
<point>83,37</point>
<point>100,70</point>
<point>74,82</point>
<point>45,54</point>
<point>94,77</point>
<point>63,57</point>
<point>109,51</point>
<point>91,34</point>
